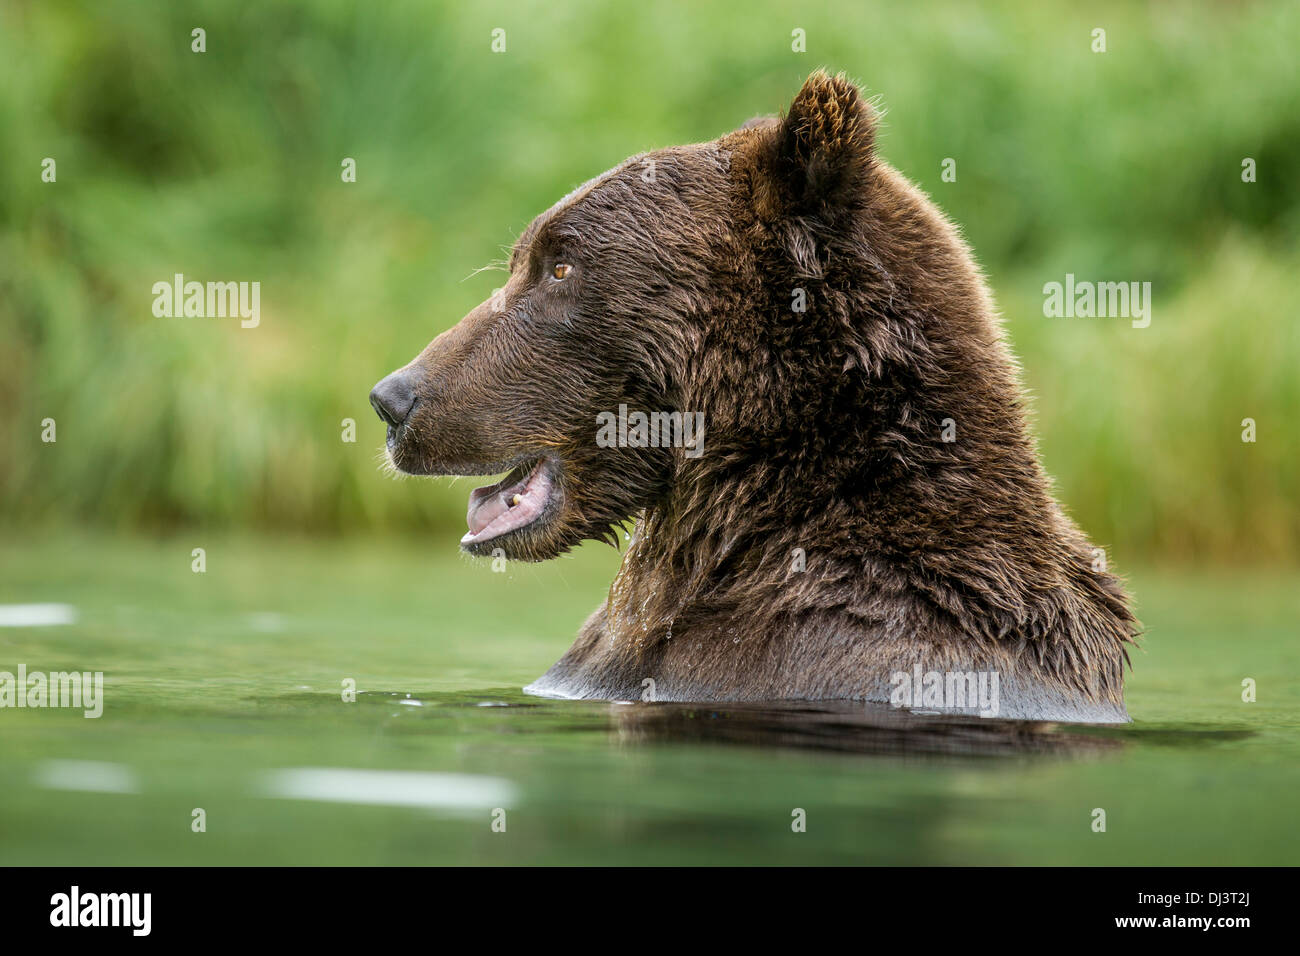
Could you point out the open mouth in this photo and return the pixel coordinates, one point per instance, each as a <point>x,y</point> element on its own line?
<point>518,500</point>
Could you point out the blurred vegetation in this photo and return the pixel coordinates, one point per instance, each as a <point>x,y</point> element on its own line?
<point>225,165</point>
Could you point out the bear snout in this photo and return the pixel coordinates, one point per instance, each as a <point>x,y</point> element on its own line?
<point>393,398</point>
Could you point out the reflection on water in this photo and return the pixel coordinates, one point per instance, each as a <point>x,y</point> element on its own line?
<point>232,694</point>
<point>851,727</point>
<point>837,726</point>
<point>390,788</point>
<point>414,777</point>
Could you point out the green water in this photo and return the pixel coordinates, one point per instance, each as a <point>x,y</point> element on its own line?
<point>216,682</point>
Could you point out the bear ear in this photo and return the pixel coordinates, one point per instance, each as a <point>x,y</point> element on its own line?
<point>823,148</point>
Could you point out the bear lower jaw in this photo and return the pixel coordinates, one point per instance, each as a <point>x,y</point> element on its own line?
<point>521,500</point>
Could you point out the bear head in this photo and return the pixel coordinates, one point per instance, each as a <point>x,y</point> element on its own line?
<point>658,286</point>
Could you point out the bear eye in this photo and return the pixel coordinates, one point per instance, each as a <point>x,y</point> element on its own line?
<point>561,270</point>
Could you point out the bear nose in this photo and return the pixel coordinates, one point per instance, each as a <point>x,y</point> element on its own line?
<point>392,398</point>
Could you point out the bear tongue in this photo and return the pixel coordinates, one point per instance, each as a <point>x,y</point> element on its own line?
<point>490,502</point>
<point>485,508</point>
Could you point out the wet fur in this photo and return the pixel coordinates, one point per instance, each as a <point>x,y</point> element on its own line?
<point>823,433</point>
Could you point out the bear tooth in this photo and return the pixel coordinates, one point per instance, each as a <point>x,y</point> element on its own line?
<point>516,499</point>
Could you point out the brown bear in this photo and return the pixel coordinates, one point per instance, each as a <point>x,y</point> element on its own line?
<point>862,514</point>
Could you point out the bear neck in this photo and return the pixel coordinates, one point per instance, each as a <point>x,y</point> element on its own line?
<point>870,456</point>
<point>865,474</point>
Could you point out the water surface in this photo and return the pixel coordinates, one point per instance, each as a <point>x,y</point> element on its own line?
<point>224,691</point>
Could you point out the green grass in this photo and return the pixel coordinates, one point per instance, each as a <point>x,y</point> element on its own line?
<point>205,693</point>
<point>225,165</point>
